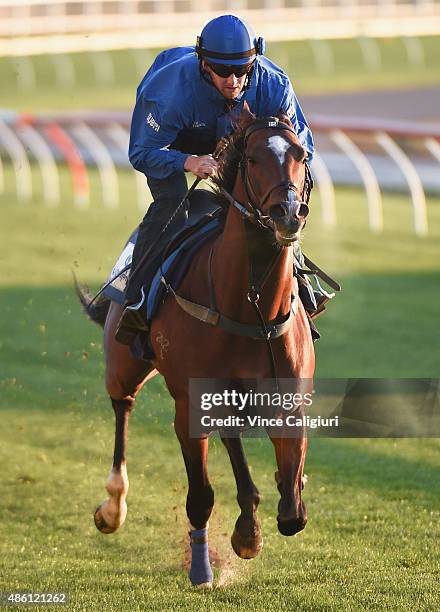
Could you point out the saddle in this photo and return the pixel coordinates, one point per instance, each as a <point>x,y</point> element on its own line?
<point>203,207</point>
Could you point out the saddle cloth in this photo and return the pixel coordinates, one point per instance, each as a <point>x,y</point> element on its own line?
<point>205,220</point>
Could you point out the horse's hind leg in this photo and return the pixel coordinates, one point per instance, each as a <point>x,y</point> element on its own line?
<point>290,455</point>
<point>110,515</point>
<point>246,539</point>
<point>124,378</point>
<point>200,498</point>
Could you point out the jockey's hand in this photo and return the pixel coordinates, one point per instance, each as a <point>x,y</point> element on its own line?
<point>201,165</point>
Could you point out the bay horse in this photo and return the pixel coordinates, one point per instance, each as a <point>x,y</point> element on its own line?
<point>262,180</point>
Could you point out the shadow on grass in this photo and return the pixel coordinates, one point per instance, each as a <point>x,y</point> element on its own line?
<point>376,464</point>
<point>380,325</point>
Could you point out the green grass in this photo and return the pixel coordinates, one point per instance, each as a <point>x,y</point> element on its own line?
<point>349,73</point>
<point>371,541</point>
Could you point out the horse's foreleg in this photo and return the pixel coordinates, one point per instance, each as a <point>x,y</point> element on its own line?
<point>124,378</point>
<point>246,539</point>
<point>200,498</point>
<point>290,454</point>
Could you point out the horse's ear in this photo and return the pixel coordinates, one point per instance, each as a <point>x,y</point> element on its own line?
<point>284,119</point>
<point>246,116</point>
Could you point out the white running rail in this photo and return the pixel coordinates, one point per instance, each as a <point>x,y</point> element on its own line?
<point>365,169</point>
<point>363,152</point>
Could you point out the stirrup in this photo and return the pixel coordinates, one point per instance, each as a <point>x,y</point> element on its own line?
<point>321,301</point>
<point>130,324</point>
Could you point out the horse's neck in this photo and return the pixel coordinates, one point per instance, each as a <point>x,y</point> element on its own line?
<point>236,251</point>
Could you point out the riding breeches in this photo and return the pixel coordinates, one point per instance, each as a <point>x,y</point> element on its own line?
<point>167,194</point>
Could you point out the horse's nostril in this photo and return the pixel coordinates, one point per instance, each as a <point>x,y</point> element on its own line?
<point>303,210</point>
<point>278,211</point>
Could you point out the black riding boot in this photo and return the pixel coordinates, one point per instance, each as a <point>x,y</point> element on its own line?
<point>167,193</point>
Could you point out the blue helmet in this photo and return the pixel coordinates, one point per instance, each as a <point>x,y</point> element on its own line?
<point>228,40</point>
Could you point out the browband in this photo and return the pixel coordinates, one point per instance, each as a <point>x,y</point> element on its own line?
<point>269,122</point>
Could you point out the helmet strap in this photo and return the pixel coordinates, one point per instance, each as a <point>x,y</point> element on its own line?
<point>249,76</point>
<point>205,75</point>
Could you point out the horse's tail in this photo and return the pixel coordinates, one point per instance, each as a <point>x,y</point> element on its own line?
<point>96,310</point>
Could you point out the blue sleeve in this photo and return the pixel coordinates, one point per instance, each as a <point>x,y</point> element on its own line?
<point>153,129</point>
<point>293,110</point>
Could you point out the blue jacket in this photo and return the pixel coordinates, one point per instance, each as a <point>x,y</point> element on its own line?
<point>178,112</point>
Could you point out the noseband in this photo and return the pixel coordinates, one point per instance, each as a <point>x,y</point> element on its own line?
<point>254,214</point>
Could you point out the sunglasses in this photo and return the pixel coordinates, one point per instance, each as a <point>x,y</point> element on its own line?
<point>225,70</point>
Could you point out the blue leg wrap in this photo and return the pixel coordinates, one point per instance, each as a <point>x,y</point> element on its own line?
<point>200,572</point>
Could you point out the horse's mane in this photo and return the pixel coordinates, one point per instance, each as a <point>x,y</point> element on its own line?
<point>229,151</point>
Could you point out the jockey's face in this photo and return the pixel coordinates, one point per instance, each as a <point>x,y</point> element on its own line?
<point>230,87</point>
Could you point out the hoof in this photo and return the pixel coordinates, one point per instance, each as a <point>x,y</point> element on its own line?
<point>246,547</point>
<point>291,526</point>
<point>203,585</point>
<point>101,524</point>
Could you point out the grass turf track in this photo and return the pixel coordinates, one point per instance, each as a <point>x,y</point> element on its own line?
<point>372,538</point>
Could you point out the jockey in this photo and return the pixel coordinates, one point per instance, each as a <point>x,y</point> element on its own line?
<point>185,103</point>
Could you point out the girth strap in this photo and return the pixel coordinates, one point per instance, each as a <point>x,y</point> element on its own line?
<point>275,328</point>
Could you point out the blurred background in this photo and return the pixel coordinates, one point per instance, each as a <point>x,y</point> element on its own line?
<point>367,74</point>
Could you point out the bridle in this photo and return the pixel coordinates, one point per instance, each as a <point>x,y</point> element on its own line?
<point>253,213</point>
<point>250,210</point>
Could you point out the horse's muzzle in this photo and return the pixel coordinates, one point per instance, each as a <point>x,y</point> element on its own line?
<point>289,219</point>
